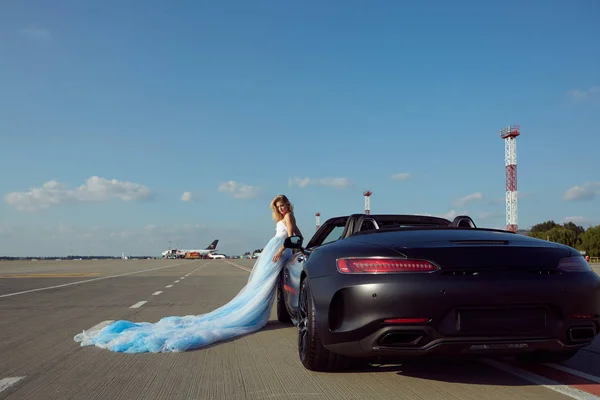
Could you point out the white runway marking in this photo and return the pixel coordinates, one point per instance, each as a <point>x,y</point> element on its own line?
<point>157,293</point>
<point>238,266</point>
<point>183,277</point>
<point>542,381</point>
<point>168,286</point>
<point>88,280</point>
<point>5,383</point>
<point>139,304</point>
<point>177,281</point>
<point>100,325</point>
<point>581,374</point>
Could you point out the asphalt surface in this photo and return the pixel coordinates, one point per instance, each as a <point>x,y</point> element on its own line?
<point>44,304</point>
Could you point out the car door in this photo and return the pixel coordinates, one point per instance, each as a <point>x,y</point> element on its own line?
<point>292,270</point>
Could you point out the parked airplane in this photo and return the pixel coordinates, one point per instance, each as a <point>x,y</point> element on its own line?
<point>180,253</point>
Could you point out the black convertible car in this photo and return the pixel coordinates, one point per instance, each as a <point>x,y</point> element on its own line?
<point>395,286</point>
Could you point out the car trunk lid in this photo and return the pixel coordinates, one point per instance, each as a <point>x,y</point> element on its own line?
<point>469,249</point>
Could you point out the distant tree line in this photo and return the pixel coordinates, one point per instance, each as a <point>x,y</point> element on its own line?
<point>570,234</point>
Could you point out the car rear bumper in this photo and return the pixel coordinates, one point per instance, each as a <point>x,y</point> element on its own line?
<point>371,345</point>
<point>465,315</point>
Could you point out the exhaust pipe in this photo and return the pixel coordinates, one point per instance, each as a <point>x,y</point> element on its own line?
<point>582,334</point>
<point>401,339</point>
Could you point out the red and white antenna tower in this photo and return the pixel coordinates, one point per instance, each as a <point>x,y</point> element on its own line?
<point>318,216</point>
<point>509,134</point>
<point>367,194</point>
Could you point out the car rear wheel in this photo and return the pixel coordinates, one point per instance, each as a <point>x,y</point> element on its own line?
<point>282,313</point>
<point>312,354</point>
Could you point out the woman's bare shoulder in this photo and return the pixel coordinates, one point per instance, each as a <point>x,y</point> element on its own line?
<point>289,216</point>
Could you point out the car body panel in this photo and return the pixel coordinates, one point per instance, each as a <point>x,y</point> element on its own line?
<point>291,282</point>
<point>493,290</point>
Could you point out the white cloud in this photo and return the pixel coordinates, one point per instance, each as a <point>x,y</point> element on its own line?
<point>468,198</point>
<point>239,190</point>
<point>452,214</point>
<point>339,183</point>
<point>187,196</point>
<point>587,191</point>
<point>94,190</point>
<point>402,176</point>
<point>36,33</point>
<point>490,215</point>
<point>584,95</point>
<point>578,220</point>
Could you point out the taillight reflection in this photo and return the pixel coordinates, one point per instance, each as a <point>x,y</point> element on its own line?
<point>383,265</point>
<point>406,320</point>
<point>574,264</point>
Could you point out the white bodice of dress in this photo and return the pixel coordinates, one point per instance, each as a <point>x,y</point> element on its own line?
<point>281,229</point>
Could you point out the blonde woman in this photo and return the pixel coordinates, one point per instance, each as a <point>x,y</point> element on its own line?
<point>247,312</point>
<point>283,214</point>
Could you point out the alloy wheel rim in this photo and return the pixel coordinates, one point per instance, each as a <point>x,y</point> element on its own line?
<point>302,323</point>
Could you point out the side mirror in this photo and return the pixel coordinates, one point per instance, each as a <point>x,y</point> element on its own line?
<point>293,242</point>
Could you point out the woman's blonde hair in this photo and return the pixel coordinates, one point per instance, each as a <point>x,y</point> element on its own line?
<point>276,214</point>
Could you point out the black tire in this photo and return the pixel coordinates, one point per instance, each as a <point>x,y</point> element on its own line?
<point>547,356</point>
<point>312,354</point>
<point>282,313</point>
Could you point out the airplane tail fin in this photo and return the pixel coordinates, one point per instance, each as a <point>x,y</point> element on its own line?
<point>213,245</point>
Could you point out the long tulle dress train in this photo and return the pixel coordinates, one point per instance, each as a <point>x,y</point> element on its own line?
<point>247,312</point>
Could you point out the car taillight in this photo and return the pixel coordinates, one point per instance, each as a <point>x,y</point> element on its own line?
<point>383,265</point>
<point>574,264</point>
<point>406,320</point>
<point>583,316</point>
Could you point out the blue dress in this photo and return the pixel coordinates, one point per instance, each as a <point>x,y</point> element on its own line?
<point>247,312</point>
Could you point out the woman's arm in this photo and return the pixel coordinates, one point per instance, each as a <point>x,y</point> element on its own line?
<point>290,223</point>
<point>292,226</point>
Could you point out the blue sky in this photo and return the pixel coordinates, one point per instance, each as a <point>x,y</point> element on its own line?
<point>166,99</point>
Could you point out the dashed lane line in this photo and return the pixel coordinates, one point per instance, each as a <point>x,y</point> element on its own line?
<point>88,280</point>
<point>139,304</point>
<point>5,383</point>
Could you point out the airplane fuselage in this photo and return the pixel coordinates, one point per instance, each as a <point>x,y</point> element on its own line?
<point>201,252</point>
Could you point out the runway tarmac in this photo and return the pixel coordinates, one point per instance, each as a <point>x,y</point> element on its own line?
<point>44,304</point>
